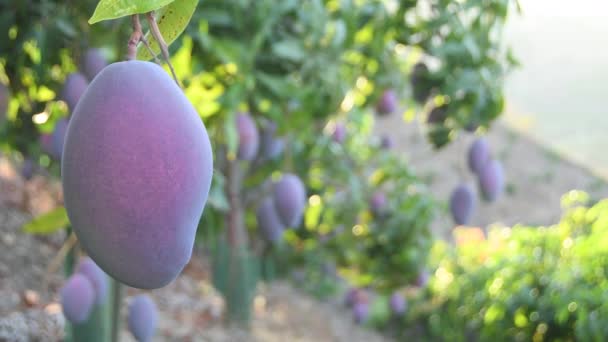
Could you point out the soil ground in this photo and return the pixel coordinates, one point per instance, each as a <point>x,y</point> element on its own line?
<point>191,310</point>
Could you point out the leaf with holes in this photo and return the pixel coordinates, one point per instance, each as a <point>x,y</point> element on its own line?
<point>48,223</point>
<point>113,9</point>
<point>172,21</point>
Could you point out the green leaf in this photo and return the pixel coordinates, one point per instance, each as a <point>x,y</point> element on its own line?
<point>217,196</point>
<point>232,136</point>
<point>172,21</point>
<point>113,9</point>
<point>289,49</point>
<point>48,223</point>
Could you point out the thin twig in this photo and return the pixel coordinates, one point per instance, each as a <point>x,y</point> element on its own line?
<point>135,37</point>
<point>145,42</point>
<point>161,42</point>
<point>58,259</point>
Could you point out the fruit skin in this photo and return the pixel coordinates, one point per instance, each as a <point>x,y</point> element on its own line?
<point>73,89</point>
<point>378,203</point>
<point>4,97</point>
<point>437,115</point>
<point>46,143</point>
<point>471,127</point>
<point>249,137</point>
<point>398,303</point>
<point>351,297</point>
<point>491,180</point>
<point>423,279</point>
<point>96,276</point>
<point>93,61</point>
<point>77,298</point>
<point>361,312</point>
<point>421,87</point>
<point>142,318</point>
<point>290,199</point>
<point>269,222</point>
<point>27,169</point>
<point>462,204</point>
<point>271,146</point>
<point>386,142</point>
<point>58,138</point>
<point>479,154</point>
<point>339,134</point>
<point>135,189</point>
<point>388,102</point>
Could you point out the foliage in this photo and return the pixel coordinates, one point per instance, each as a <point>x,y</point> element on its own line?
<point>382,250</point>
<point>303,65</point>
<point>524,283</point>
<point>48,223</point>
<point>276,57</point>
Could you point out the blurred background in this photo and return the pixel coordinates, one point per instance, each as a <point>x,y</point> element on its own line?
<point>555,96</point>
<point>383,170</point>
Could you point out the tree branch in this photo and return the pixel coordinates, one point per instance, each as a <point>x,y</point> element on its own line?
<point>135,38</point>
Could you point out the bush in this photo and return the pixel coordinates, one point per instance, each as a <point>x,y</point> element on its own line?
<point>525,283</point>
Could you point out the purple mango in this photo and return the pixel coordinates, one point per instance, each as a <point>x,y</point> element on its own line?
<point>28,168</point>
<point>93,61</point>
<point>361,312</point>
<point>388,102</point>
<point>355,295</point>
<point>271,146</point>
<point>462,204</point>
<point>479,154</point>
<point>97,276</point>
<point>46,143</point>
<point>437,115</point>
<point>350,297</point>
<point>290,199</point>
<point>378,203</point>
<point>421,90</point>
<point>77,298</point>
<point>249,138</point>
<point>136,174</point>
<point>339,133</point>
<point>423,278</point>
<point>274,148</point>
<point>398,303</point>
<point>471,127</point>
<point>491,180</point>
<point>269,222</point>
<point>142,318</point>
<point>386,142</point>
<point>73,88</point>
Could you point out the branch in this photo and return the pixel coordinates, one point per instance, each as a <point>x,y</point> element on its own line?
<point>237,237</point>
<point>135,38</point>
<point>145,42</point>
<point>161,42</point>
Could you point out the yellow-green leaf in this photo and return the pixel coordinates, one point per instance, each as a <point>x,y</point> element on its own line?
<point>48,223</point>
<point>112,9</point>
<point>172,21</point>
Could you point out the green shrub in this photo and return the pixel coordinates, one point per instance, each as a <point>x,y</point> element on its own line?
<point>525,283</point>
